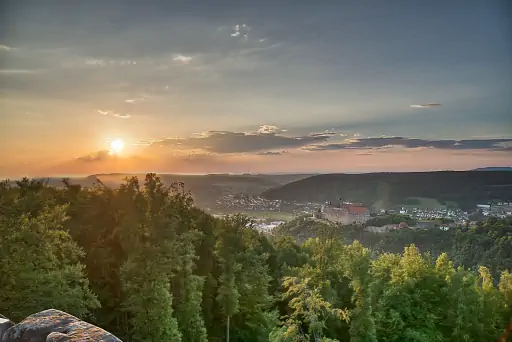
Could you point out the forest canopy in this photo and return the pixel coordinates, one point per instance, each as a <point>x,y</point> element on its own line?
<point>142,262</point>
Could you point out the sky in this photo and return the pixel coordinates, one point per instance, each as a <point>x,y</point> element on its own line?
<point>254,86</point>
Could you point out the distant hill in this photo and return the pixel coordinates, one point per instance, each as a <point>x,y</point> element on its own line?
<point>384,190</point>
<point>214,183</point>
<point>303,228</point>
<point>205,189</point>
<point>57,181</point>
<point>494,168</point>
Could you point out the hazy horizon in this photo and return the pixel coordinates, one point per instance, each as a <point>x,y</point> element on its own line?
<point>254,87</point>
<point>80,176</point>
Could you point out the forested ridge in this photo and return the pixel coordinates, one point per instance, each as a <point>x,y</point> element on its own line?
<point>143,263</point>
<point>463,189</point>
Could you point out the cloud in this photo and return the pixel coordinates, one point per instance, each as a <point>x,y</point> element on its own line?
<point>269,129</point>
<point>110,62</point>
<point>325,133</point>
<point>241,30</point>
<point>386,142</point>
<point>148,142</point>
<point>112,113</point>
<point>426,105</point>
<point>96,156</point>
<point>225,142</point>
<point>135,100</point>
<point>19,71</point>
<point>5,48</point>
<point>260,49</point>
<point>182,58</point>
<point>271,153</point>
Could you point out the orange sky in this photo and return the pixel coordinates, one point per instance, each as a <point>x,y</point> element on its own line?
<point>255,86</point>
<point>299,161</point>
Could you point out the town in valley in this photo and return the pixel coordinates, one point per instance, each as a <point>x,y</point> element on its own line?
<point>268,214</point>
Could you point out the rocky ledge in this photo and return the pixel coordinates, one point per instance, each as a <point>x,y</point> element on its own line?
<point>52,326</point>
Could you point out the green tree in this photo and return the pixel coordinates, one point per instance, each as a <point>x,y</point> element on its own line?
<point>228,242</point>
<point>153,253</point>
<point>356,263</point>
<point>505,288</point>
<point>40,266</point>
<point>310,310</point>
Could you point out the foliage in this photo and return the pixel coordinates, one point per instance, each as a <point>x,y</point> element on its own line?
<point>142,262</point>
<point>488,243</point>
<point>380,221</point>
<point>40,264</point>
<point>303,228</point>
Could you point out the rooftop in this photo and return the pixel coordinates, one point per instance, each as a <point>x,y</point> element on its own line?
<point>356,209</point>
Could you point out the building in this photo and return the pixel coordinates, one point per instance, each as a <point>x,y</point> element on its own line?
<point>346,213</point>
<point>483,206</point>
<point>358,213</point>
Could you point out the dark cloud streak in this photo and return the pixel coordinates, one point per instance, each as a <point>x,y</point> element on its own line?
<point>97,156</point>
<point>426,105</point>
<point>272,153</point>
<point>225,142</point>
<point>375,143</point>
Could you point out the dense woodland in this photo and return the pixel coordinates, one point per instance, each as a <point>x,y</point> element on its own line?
<point>488,243</point>
<point>143,263</point>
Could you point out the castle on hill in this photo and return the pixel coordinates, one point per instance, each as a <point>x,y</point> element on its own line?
<point>344,213</point>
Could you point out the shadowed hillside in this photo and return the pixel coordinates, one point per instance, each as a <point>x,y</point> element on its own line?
<point>462,188</point>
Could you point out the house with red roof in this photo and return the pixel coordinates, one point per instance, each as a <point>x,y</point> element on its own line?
<point>346,213</point>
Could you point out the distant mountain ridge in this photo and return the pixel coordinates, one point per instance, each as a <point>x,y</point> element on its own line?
<point>205,189</point>
<point>457,188</point>
<point>494,168</point>
<point>381,190</point>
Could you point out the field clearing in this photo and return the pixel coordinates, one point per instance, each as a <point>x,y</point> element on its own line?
<point>452,204</point>
<point>424,203</point>
<point>272,215</point>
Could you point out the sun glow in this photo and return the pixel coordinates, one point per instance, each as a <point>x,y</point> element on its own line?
<point>116,146</point>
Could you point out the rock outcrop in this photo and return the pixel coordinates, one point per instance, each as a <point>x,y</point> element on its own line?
<point>5,324</point>
<point>53,326</point>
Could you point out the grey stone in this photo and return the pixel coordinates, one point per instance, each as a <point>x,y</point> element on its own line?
<point>56,326</point>
<point>5,325</point>
<point>57,337</point>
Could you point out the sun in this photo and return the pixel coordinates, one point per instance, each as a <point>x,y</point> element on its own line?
<point>116,146</point>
